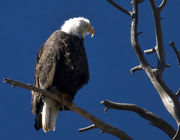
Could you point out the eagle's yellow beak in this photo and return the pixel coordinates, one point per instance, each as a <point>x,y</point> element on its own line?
<point>92,31</point>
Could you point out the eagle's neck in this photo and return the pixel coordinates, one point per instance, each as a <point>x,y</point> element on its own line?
<point>76,31</point>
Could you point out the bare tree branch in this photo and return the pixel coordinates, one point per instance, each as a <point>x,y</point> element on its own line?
<point>168,66</point>
<point>178,93</point>
<point>87,128</point>
<point>159,38</point>
<point>134,35</point>
<point>139,33</point>
<point>177,135</point>
<point>150,51</point>
<point>172,44</point>
<point>153,4</point>
<point>161,6</point>
<point>120,8</point>
<point>106,109</point>
<point>136,68</point>
<point>154,119</point>
<point>97,122</point>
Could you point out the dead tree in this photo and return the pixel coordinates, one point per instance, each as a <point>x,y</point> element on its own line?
<point>169,99</point>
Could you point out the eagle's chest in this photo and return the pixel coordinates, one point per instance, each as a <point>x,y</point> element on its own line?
<point>74,58</point>
<point>72,72</point>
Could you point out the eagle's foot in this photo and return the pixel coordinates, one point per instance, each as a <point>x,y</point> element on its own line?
<point>65,98</point>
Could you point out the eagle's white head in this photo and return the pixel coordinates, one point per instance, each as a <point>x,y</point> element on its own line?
<point>78,26</point>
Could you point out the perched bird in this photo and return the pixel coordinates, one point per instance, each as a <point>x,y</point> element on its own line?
<point>62,68</point>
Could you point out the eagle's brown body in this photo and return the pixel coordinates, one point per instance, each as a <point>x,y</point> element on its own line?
<point>61,64</point>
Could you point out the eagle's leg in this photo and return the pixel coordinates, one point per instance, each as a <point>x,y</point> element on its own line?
<point>65,98</point>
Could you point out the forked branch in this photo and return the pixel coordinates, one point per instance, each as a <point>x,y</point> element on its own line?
<point>154,119</point>
<point>159,37</point>
<point>161,6</point>
<point>134,35</point>
<point>120,8</point>
<point>97,122</point>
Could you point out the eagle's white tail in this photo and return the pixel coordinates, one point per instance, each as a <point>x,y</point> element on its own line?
<point>49,115</point>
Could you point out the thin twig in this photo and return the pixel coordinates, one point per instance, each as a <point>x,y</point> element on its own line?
<point>168,65</point>
<point>178,93</point>
<point>106,109</point>
<point>99,123</point>
<point>172,44</point>
<point>139,33</point>
<point>161,6</point>
<point>154,119</point>
<point>87,128</point>
<point>136,68</point>
<point>150,51</point>
<point>120,8</point>
<point>177,135</point>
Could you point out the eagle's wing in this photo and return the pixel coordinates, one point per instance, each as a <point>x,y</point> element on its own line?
<point>45,71</point>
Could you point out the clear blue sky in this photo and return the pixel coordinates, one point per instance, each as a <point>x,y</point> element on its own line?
<point>26,25</point>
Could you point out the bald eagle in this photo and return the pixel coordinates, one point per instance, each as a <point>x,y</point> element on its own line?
<point>61,67</point>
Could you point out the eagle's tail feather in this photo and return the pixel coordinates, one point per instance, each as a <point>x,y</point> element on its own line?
<point>53,116</point>
<point>38,122</point>
<point>49,115</point>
